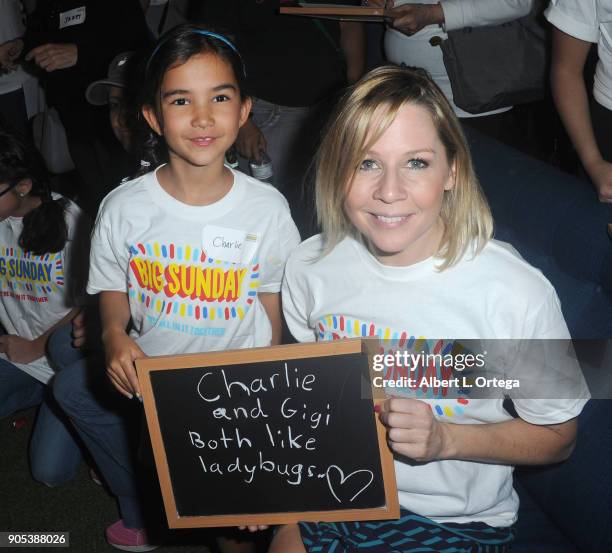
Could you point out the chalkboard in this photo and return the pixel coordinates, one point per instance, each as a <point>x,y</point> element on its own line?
<point>268,436</point>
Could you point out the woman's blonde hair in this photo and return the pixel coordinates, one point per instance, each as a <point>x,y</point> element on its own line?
<point>365,112</point>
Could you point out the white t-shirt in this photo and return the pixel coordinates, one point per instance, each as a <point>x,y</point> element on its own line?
<point>193,273</point>
<point>496,295</point>
<point>37,291</point>
<point>591,21</point>
<point>416,51</point>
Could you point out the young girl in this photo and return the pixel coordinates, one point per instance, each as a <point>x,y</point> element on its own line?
<point>191,255</point>
<point>406,252</point>
<point>37,284</point>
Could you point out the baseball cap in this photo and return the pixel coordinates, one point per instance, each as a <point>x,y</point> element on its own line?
<point>97,92</point>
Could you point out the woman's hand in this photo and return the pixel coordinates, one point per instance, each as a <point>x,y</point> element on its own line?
<point>251,142</point>
<point>51,57</point>
<point>413,431</point>
<point>411,18</point>
<point>121,352</point>
<point>21,350</point>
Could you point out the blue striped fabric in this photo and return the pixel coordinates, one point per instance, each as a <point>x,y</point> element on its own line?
<point>409,534</point>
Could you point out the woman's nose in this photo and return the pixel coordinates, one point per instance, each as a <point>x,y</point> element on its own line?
<point>390,188</point>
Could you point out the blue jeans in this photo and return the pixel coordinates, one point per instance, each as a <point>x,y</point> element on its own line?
<point>55,455</point>
<point>109,425</point>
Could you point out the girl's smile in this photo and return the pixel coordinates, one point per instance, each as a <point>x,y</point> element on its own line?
<point>395,197</point>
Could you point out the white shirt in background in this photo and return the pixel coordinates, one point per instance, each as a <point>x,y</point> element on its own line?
<point>591,21</point>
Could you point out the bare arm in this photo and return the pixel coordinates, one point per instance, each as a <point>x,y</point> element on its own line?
<point>121,350</point>
<point>570,95</point>
<point>415,433</point>
<point>352,42</point>
<point>272,304</point>
<point>287,539</point>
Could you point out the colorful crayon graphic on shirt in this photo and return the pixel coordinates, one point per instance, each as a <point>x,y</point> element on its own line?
<point>28,277</point>
<point>337,327</point>
<point>183,282</point>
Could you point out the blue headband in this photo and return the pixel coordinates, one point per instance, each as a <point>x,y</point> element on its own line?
<point>205,33</point>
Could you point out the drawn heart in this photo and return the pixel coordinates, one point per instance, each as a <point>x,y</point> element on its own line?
<point>348,482</point>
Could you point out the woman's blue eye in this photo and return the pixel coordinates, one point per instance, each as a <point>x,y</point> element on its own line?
<point>368,165</point>
<point>417,163</point>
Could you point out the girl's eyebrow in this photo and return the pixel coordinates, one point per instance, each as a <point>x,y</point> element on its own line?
<point>217,88</point>
<point>224,86</point>
<point>174,92</point>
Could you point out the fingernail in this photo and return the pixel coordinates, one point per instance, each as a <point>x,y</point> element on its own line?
<point>377,408</point>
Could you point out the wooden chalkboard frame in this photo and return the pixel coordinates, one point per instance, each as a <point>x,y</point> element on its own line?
<point>343,13</point>
<point>148,365</point>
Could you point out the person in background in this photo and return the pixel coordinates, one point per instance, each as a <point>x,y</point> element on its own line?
<point>413,24</point>
<point>576,26</point>
<point>117,91</point>
<point>20,94</point>
<point>43,262</point>
<point>72,42</point>
<point>296,67</point>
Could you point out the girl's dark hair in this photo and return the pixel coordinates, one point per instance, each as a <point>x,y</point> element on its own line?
<point>174,48</point>
<point>44,228</point>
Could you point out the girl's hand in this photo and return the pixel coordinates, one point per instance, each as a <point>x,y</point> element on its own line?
<point>20,350</point>
<point>121,352</point>
<point>254,527</point>
<point>51,57</point>
<point>251,142</point>
<point>413,431</point>
<point>601,175</point>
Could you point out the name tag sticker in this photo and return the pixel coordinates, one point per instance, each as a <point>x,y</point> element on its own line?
<point>72,17</point>
<point>231,245</point>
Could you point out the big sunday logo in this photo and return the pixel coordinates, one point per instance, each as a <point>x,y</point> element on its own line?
<point>28,277</point>
<point>183,282</point>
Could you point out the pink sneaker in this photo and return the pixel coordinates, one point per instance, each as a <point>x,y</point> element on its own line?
<point>128,539</point>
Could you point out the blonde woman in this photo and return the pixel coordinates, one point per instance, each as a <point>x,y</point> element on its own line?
<point>406,251</point>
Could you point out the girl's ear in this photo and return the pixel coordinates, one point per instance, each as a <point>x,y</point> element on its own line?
<point>151,118</point>
<point>452,177</point>
<point>24,187</point>
<point>245,110</point>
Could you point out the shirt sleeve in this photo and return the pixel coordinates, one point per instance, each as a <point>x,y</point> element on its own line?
<point>12,21</point>
<point>577,18</point>
<point>296,305</point>
<point>274,260</point>
<point>108,260</point>
<point>552,386</point>
<point>477,13</point>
